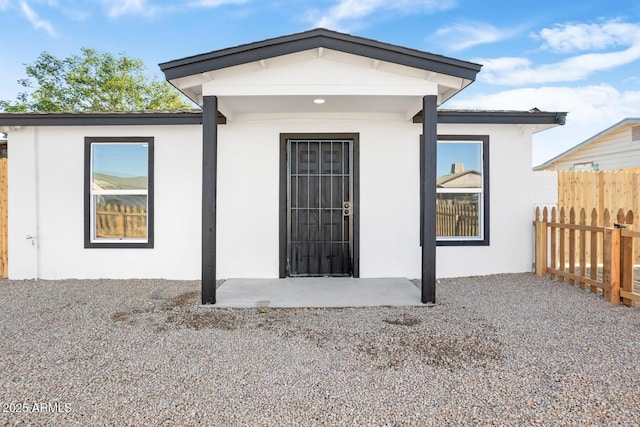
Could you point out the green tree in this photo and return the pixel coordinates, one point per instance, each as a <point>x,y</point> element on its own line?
<point>93,81</point>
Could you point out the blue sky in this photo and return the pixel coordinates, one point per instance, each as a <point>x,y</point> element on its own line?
<point>121,160</point>
<point>580,57</point>
<point>469,154</point>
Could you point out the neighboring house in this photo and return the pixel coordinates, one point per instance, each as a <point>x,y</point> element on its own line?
<point>304,161</point>
<point>460,178</point>
<point>617,147</point>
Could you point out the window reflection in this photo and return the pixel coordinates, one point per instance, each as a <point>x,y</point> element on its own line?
<point>119,190</point>
<point>459,189</point>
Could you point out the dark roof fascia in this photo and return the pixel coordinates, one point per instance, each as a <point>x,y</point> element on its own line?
<point>627,121</point>
<point>497,117</point>
<point>312,39</point>
<point>195,117</point>
<point>104,119</point>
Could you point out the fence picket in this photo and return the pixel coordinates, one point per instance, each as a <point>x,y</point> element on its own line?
<point>593,238</point>
<point>553,242</point>
<point>611,265</point>
<point>606,218</point>
<point>572,245</point>
<point>583,248</point>
<point>561,233</point>
<point>626,259</point>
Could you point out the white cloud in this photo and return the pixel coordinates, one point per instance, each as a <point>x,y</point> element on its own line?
<point>117,8</point>
<point>591,109</point>
<point>518,70</point>
<point>37,22</point>
<point>77,14</point>
<point>586,103</point>
<point>350,10</point>
<point>463,36</point>
<point>214,3</point>
<point>581,37</point>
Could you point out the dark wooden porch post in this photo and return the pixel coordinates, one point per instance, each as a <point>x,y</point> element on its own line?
<point>430,133</point>
<point>209,179</point>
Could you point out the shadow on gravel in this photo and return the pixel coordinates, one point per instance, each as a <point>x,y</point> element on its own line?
<point>452,353</point>
<point>391,339</point>
<point>179,311</point>
<point>404,320</point>
<point>215,319</point>
<point>188,298</point>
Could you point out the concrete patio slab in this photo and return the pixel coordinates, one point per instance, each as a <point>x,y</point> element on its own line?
<point>317,292</point>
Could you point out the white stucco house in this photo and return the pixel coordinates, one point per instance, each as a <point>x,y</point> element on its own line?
<point>305,160</point>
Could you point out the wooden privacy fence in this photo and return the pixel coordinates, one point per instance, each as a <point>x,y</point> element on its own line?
<point>614,190</point>
<point>610,269</point>
<point>114,221</point>
<point>456,220</point>
<point>605,189</point>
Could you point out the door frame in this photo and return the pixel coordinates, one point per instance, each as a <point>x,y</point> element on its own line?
<point>355,209</point>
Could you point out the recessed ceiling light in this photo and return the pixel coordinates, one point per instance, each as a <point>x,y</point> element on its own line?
<point>319,101</point>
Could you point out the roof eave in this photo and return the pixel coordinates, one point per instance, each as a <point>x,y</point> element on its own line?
<point>195,117</point>
<point>497,117</point>
<point>315,39</point>
<point>122,118</point>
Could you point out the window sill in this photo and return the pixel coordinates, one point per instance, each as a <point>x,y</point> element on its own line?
<point>119,245</point>
<point>484,242</point>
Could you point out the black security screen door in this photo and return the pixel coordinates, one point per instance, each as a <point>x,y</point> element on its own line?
<point>319,207</point>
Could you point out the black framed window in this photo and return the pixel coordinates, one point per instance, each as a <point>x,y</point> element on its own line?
<point>118,182</point>
<point>462,193</point>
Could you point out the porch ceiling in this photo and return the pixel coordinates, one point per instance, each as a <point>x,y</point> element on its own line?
<point>232,106</point>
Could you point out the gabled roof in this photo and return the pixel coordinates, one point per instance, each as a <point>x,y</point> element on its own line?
<point>624,122</point>
<point>448,181</point>
<point>318,38</point>
<point>271,76</point>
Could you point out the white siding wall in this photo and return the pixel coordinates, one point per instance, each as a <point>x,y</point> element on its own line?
<point>545,188</point>
<point>248,201</point>
<point>614,150</point>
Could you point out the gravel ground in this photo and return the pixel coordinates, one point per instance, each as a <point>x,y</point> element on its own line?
<point>496,350</point>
